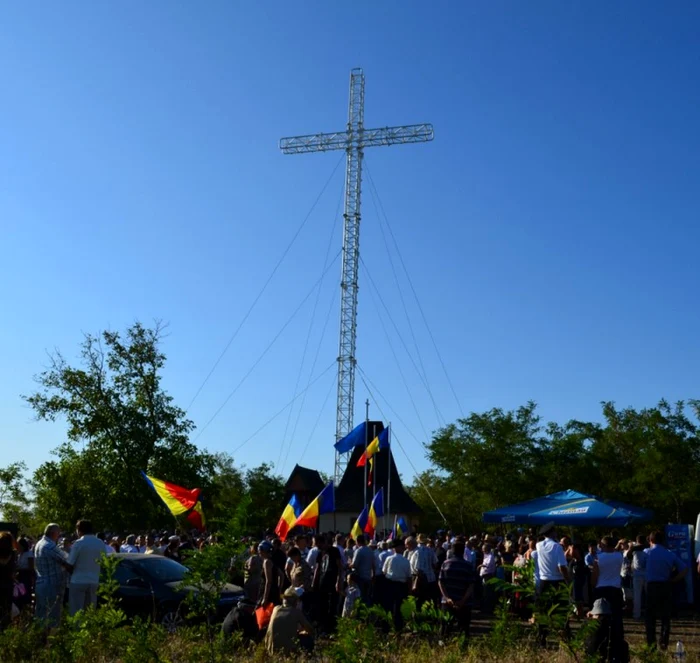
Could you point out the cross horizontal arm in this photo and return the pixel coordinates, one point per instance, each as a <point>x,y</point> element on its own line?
<point>342,140</point>
<point>315,143</point>
<point>413,133</point>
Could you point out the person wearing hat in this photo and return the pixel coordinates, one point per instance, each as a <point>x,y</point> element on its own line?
<point>604,644</point>
<point>241,618</point>
<point>553,572</point>
<point>423,564</point>
<point>597,643</point>
<point>288,630</point>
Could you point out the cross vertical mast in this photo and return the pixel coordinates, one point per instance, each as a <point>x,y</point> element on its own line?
<point>353,140</point>
<point>351,258</point>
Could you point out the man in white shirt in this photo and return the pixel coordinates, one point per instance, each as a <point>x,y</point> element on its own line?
<point>551,559</point>
<point>469,552</point>
<point>130,545</point>
<point>397,580</point>
<point>312,556</point>
<point>553,572</point>
<point>84,561</point>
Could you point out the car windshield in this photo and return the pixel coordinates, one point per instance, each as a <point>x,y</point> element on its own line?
<point>163,569</point>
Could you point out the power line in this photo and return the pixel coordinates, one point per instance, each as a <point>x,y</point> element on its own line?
<point>306,347</point>
<point>395,438</point>
<point>274,416</point>
<point>267,349</point>
<point>415,296</point>
<point>318,418</point>
<point>267,282</point>
<point>391,345</point>
<point>422,373</point>
<point>385,309</point>
<point>311,372</point>
<point>396,414</point>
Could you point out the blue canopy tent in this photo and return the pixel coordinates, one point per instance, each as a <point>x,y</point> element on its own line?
<point>569,507</point>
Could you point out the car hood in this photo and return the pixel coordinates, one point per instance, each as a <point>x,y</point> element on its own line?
<point>228,588</point>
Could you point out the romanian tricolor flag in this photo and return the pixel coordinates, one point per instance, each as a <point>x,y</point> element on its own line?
<point>376,511</point>
<point>375,446</point>
<point>324,503</point>
<point>289,516</point>
<point>196,516</point>
<point>360,524</point>
<point>177,499</point>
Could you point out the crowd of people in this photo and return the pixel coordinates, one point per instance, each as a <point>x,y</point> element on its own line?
<point>299,588</point>
<point>63,570</point>
<point>601,581</point>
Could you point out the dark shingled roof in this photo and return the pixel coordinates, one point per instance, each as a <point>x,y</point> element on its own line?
<point>305,482</point>
<point>349,494</point>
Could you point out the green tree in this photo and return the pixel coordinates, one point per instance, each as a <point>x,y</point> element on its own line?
<point>651,457</point>
<point>12,486</point>
<point>265,491</point>
<point>453,498</point>
<point>489,459</point>
<point>227,489</point>
<point>563,460</point>
<point>15,504</point>
<point>119,421</point>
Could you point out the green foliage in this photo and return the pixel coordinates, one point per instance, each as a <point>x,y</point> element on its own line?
<point>426,621</point>
<point>266,493</point>
<point>360,638</point>
<point>23,642</point>
<point>15,502</point>
<point>120,421</point>
<point>12,488</point>
<point>648,457</point>
<point>506,631</point>
<point>226,488</point>
<point>207,573</point>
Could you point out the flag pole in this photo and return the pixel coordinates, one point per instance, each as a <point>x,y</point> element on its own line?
<point>388,480</point>
<point>364,485</point>
<point>373,466</point>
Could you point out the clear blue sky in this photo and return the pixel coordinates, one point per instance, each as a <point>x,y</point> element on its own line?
<point>551,229</point>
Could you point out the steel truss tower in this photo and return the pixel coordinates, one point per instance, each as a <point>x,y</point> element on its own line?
<point>353,140</point>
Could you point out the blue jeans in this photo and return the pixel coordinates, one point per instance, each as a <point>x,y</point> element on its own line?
<point>49,603</point>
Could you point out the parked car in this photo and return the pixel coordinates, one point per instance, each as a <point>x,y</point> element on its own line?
<point>150,586</point>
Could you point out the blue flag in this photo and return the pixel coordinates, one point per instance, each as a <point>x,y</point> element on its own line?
<point>400,528</point>
<point>356,437</point>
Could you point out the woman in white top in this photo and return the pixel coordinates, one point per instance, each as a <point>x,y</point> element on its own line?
<point>608,582</point>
